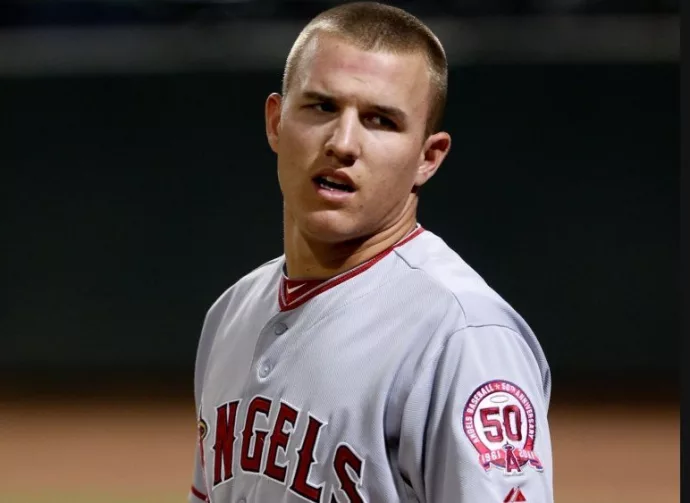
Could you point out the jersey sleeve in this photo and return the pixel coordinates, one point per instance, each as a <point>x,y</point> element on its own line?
<point>474,426</point>
<point>197,491</point>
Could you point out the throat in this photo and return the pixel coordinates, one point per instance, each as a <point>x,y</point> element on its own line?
<point>320,261</point>
<point>309,257</point>
<point>310,260</point>
<point>294,292</point>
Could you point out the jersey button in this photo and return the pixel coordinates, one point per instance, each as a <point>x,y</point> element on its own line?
<point>280,328</point>
<point>265,369</point>
<point>241,500</point>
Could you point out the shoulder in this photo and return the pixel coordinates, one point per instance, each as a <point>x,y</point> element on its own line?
<point>251,284</point>
<point>433,263</point>
<point>469,316</point>
<point>257,279</point>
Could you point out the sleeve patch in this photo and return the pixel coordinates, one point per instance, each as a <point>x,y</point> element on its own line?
<point>500,422</point>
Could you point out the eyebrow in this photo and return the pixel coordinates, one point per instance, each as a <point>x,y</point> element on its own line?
<point>393,112</point>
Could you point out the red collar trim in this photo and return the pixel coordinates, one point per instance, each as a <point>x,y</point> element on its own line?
<point>293,293</point>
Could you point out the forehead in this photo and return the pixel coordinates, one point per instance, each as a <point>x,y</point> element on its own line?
<point>334,65</point>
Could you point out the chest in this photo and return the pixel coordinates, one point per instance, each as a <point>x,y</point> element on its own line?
<point>294,407</point>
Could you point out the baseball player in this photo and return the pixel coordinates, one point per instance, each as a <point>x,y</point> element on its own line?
<point>369,362</point>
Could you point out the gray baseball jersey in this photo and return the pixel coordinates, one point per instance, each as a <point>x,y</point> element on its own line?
<point>405,379</point>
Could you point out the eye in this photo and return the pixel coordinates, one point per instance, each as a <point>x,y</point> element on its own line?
<point>382,122</point>
<point>323,106</point>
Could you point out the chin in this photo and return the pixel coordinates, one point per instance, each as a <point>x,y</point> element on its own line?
<point>331,227</point>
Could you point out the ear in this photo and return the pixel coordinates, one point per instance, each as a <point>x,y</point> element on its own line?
<point>435,150</point>
<point>272,112</point>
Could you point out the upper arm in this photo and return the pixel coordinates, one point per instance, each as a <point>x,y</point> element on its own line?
<point>475,424</point>
<point>198,492</point>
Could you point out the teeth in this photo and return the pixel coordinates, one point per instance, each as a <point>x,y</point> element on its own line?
<point>331,183</point>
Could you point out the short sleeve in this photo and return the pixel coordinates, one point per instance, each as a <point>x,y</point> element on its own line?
<point>198,492</point>
<point>474,426</point>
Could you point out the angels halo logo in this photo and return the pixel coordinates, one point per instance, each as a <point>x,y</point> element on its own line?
<point>499,420</point>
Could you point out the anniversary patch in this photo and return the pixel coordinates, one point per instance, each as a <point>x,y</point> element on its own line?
<point>499,420</point>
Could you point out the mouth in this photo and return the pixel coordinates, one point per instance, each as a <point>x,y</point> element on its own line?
<point>333,184</point>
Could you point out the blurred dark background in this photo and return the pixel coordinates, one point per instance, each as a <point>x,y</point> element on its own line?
<point>137,184</point>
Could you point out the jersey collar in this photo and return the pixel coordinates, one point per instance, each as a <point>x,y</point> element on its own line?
<point>293,293</point>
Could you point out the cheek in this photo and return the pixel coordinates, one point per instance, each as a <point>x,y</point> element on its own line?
<point>288,179</point>
<point>298,152</point>
<point>297,139</point>
<point>398,169</point>
<point>289,155</point>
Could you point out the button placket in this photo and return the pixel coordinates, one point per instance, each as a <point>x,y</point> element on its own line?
<point>265,368</point>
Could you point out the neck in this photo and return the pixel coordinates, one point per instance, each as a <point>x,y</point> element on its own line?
<point>308,258</point>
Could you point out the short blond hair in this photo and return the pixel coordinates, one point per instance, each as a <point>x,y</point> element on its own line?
<point>372,26</point>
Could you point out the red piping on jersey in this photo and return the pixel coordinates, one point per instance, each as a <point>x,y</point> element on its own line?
<point>328,284</point>
<point>199,494</point>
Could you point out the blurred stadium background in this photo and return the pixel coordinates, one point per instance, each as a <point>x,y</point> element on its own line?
<point>136,186</point>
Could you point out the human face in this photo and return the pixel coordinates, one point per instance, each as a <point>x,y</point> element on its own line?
<point>356,118</point>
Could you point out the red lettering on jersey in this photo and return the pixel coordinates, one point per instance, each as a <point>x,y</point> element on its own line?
<point>306,458</point>
<point>344,457</point>
<point>225,439</point>
<point>252,462</point>
<point>279,440</point>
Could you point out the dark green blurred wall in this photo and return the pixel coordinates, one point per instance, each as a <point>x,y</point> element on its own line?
<point>131,202</point>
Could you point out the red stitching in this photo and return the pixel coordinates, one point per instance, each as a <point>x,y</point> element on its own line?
<point>282,299</point>
<point>199,494</point>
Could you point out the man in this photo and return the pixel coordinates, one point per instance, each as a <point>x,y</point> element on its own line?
<point>369,362</point>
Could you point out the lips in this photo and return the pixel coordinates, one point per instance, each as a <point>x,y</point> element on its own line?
<point>332,180</point>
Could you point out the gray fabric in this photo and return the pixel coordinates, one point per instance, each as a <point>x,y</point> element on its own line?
<point>387,362</point>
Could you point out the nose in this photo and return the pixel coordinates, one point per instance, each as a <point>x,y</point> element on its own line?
<point>343,143</point>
